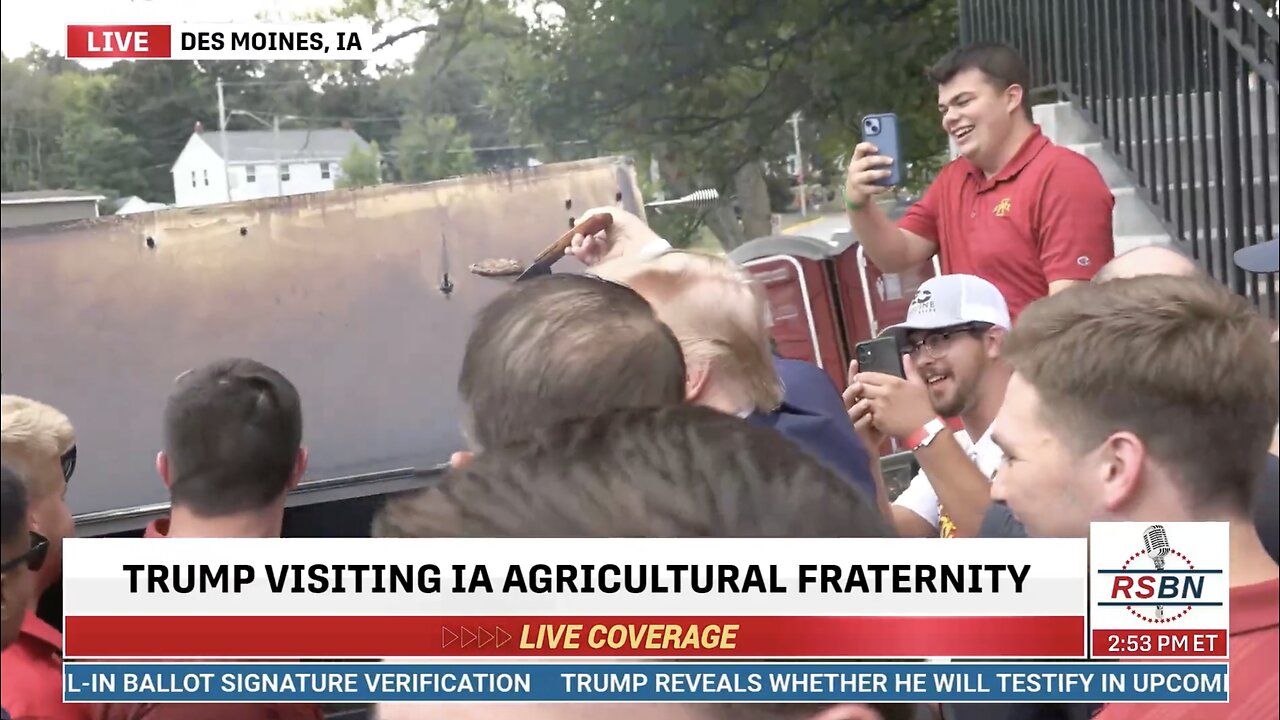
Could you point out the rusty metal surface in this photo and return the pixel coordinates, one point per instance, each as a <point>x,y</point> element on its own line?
<point>341,291</point>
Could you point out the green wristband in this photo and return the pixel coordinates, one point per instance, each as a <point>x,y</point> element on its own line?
<point>849,204</point>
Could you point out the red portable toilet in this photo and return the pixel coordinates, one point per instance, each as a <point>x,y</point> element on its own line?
<point>797,273</point>
<point>871,300</point>
<point>826,297</point>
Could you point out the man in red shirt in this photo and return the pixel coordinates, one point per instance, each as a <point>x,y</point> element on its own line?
<point>232,452</point>
<point>1150,399</point>
<point>1015,209</point>
<point>39,446</point>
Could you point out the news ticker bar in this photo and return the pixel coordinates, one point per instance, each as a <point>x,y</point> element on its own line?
<point>291,637</point>
<point>646,682</point>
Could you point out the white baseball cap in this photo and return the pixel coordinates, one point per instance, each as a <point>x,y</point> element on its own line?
<point>952,300</point>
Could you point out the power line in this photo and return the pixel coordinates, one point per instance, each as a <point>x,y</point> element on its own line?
<point>477,111</point>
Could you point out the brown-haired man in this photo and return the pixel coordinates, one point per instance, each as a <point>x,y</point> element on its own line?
<point>1150,399</point>
<point>681,471</point>
<point>232,452</point>
<point>1029,216</point>
<point>564,346</point>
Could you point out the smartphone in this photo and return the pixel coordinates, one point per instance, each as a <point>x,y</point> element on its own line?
<point>882,131</point>
<point>880,355</point>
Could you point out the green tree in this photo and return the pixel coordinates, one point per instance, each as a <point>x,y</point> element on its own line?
<point>360,168</point>
<point>95,155</point>
<point>432,148</point>
<point>708,86</point>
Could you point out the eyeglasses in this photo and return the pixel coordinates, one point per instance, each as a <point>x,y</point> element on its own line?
<point>33,557</point>
<point>68,463</point>
<point>937,343</point>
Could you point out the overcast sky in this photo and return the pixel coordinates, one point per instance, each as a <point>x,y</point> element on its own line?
<point>43,22</point>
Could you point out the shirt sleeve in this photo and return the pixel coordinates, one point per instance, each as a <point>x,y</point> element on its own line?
<point>1075,234</point>
<point>922,217</point>
<point>999,522</point>
<point>920,499</point>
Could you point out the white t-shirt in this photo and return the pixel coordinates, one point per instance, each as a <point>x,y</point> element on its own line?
<point>919,496</point>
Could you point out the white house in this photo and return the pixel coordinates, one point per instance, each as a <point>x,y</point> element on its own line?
<point>134,204</point>
<point>309,161</point>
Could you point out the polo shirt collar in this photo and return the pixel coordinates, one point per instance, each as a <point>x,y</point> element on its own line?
<point>40,631</point>
<point>1253,607</point>
<point>1030,148</point>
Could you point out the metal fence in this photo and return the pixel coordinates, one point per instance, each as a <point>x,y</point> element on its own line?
<point>1183,93</point>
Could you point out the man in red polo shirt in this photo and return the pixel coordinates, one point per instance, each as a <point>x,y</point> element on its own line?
<point>39,446</point>
<point>1029,216</point>
<point>1115,412</point>
<point>232,452</point>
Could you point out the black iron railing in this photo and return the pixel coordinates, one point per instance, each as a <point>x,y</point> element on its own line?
<point>1184,95</point>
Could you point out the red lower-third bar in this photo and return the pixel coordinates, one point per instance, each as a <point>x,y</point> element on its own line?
<point>507,636</point>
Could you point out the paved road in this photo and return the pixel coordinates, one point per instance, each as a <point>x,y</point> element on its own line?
<point>821,227</point>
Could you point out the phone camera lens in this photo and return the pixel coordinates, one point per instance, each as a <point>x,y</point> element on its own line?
<point>873,126</point>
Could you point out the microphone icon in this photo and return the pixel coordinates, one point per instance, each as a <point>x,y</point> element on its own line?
<point>1157,544</point>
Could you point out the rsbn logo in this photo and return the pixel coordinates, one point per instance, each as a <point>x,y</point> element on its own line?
<point>1159,583</point>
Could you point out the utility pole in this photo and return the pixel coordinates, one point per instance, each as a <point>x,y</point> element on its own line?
<point>222,139</point>
<point>275,144</point>
<point>795,130</point>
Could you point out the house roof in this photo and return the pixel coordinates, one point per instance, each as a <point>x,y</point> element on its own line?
<point>30,197</point>
<point>251,146</point>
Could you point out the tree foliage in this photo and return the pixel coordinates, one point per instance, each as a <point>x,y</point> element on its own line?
<point>710,85</point>
<point>433,148</point>
<point>705,86</point>
<point>360,168</point>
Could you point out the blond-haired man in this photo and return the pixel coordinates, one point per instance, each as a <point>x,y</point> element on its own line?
<point>720,316</point>
<point>39,444</point>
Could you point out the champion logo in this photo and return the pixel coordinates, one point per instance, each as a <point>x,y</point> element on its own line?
<point>1083,261</point>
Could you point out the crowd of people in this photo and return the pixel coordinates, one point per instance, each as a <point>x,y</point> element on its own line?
<point>1047,384</point>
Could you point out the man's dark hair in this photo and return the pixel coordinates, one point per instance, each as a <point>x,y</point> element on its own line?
<point>565,346</point>
<point>679,471</point>
<point>1001,64</point>
<point>13,505</point>
<point>232,431</point>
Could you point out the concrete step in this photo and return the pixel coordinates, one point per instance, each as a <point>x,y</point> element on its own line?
<point>1063,124</point>
<point>1186,113</point>
<point>1129,221</point>
<point>1188,152</point>
<point>1066,125</point>
<point>1203,241</point>
<point>1132,216</point>
<point>1125,243</point>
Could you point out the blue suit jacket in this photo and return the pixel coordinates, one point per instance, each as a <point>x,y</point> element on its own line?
<point>812,415</point>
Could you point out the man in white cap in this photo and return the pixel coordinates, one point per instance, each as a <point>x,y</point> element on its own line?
<point>951,343</point>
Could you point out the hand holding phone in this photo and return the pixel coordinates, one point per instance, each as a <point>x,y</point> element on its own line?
<point>876,163</point>
<point>891,389</point>
<point>880,356</point>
